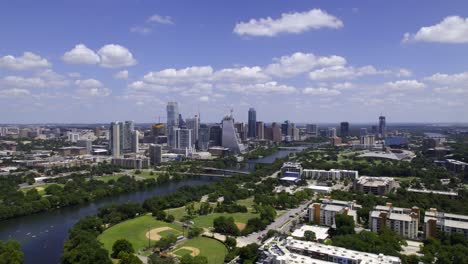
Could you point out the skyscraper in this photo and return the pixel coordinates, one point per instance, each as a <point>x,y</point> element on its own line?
<point>344,129</point>
<point>172,109</point>
<point>230,138</point>
<point>363,132</point>
<point>332,132</point>
<point>203,137</point>
<point>260,130</point>
<point>382,127</point>
<point>252,132</point>
<point>115,139</point>
<point>123,138</point>
<point>311,129</point>
<point>135,144</point>
<point>216,134</point>
<point>285,127</point>
<point>183,138</point>
<point>194,125</point>
<point>276,131</point>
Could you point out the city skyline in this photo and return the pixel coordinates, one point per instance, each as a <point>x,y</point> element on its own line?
<point>285,59</point>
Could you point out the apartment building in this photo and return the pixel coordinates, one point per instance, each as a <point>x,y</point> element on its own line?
<point>324,213</point>
<point>450,223</point>
<point>403,221</point>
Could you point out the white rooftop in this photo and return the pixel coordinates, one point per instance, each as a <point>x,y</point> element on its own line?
<point>321,233</point>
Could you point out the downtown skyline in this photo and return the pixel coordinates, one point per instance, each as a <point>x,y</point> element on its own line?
<point>320,61</point>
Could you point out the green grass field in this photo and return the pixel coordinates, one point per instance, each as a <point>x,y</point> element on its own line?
<point>134,230</point>
<point>40,188</point>
<point>247,203</point>
<point>214,250</point>
<point>405,179</point>
<point>207,220</point>
<point>146,174</point>
<point>182,252</point>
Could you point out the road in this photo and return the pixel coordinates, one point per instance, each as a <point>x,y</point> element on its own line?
<point>281,223</point>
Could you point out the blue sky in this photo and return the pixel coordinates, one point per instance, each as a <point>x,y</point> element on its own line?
<point>307,61</point>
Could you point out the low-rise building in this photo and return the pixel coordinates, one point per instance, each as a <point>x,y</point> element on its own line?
<point>456,165</point>
<point>439,221</point>
<point>291,169</point>
<point>290,250</point>
<point>403,221</point>
<point>132,163</point>
<point>375,185</point>
<point>321,233</point>
<point>330,175</point>
<point>324,213</point>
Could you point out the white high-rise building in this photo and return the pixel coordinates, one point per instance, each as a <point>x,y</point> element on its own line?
<point>135,139</point>
<point>183,138</point>
<point>122,138</point>
<point>230,137</point>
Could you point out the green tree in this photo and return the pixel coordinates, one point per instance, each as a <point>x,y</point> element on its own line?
<point>128,258</point>
<point>10,252</point>
<point>156,259</point>
<point>309,235</point>
<point>122,245</point>
<point>230,242</point>
<point>344,224</point>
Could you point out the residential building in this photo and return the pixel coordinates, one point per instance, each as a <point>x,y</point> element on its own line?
<point>293,251</point>
<point>241,130</point>
<point>131,163</point>
<point>260,130</point>
<point>335,141</point>
<point>403,221</point>
<point>311,129</point>
<point>194,125</point>
<point>291,169</point>
<point>276,132</point>
<point>172,110</point>
<point>216,135</point>
<point>324,213</point>
<point>435,221</point>
<point>122,138</point>
<point>375,185</point>
<point>183,138</point>
<point>331,132</point>
<point>330,175</point>
<point>252,129</point>
<point>456,165</point>
<point>367,140</point>
<point>155,154</point>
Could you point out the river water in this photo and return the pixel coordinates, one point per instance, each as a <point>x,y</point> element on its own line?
<point>42,235</point>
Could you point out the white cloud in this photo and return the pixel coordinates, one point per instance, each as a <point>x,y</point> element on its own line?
<point>299,62</point>
<point>320,91</point>
<point>259,88</point>
<point>186,75</point>
<point>81,54</point>
<point>91,88</point>
<point>204,98</point>
<point>160,19</point>
<point>29,60</point>
<point>403,73</point>
<point>449,79</point>
<point>123,75</point>
<point>288,23</point>
<point>452,29</point>
<point>405,85</point>
<point>15,92</point>
<point>141,30</point>
<point>241,74</point>
<point>149,87</point>
<point>115,56</point>
<point>43,79</point>
<point>451,90</point>
<point>344,72</point>
<point>343,86</point>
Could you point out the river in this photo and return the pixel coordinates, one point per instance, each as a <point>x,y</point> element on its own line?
<point>42,235</point>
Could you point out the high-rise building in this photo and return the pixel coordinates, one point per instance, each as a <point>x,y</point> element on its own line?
<point>367,140</point>
<point>252,129</point>
<point>285,127</point>
<point>230,138</point>
<point>363,132</point>
<point>311,129</point>
<point>241,130</point>
<point>332,132</point>
<point>344,129</point>
<point>382,127</point>
<point>115,139</point>
<point>260,130</point>
<point>181,121</point>
<point>203,137</point>
<point>216,135</point>
<point>155,153</point>
<point>135,141</point>
<point>85,143</point>
<point>194,125</point>
<point>183,138</point>
<point>276,131</point>
<point>122,138</point>
<point>172,109</point>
